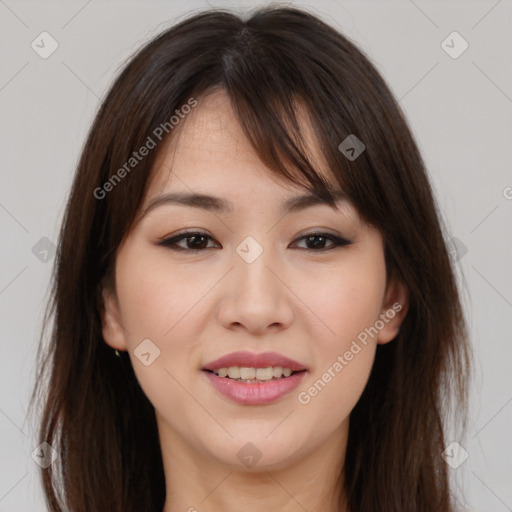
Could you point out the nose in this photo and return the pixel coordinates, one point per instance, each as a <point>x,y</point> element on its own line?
<point>256,296</point>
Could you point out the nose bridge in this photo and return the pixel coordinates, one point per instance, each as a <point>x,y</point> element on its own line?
<point>257,298</point>
<point>251,268</point>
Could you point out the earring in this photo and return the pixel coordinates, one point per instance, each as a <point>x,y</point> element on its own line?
<point>117,353</point>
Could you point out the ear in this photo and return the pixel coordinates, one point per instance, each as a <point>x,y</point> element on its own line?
<point>394,309</point>
<point>113,332</point>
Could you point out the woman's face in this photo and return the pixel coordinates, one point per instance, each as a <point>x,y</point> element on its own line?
<point>254,288</point>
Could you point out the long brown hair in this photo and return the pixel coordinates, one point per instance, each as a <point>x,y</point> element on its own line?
<point>94,412</point>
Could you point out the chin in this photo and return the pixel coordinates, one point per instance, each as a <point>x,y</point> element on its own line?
<point>257,453</point>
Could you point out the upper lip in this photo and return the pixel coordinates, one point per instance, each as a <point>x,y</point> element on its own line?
<point>250,360</point>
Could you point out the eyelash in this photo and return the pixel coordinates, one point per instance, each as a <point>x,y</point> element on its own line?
<point>172,241</point>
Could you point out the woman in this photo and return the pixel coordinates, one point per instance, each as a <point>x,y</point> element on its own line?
<point>253,302</point>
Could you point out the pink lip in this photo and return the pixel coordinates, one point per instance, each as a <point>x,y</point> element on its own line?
<point>250,360</point>
<point>256,393</point>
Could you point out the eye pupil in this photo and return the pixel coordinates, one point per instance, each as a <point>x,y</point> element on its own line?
<point>320,240</point>
<point>194,239</point>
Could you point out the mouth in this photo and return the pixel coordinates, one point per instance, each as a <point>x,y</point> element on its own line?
<point>254,379</point>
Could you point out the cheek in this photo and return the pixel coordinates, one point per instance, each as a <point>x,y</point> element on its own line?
<point>343,360</point>
<point>348,302</point>
<point>161,305</point>
<point>345,301</point>
<point>156,297</point>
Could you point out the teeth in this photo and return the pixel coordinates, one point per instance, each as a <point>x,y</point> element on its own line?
<point>253,374</point>
<point>233,372</point>
<point>264,373</point>
<point>247,373</point>
<point>222,372</point>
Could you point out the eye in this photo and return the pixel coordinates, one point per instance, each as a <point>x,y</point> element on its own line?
<point>316,241</point>
<point>194,240</point>
<point>198,241</point>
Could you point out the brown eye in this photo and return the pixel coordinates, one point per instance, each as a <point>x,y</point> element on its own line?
<point>194,241</point>
<point>317,241</point>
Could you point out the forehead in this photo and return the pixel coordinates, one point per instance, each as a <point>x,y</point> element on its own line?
<point>210,143</point>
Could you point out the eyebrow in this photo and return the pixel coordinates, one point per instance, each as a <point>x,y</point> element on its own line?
<point>219,205</point>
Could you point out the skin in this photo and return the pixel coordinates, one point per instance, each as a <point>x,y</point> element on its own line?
<point>197,306</point>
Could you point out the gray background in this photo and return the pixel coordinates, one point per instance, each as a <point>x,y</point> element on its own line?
<point>460,110</point>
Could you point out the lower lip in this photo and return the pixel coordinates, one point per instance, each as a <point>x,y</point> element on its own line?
<point>256,393</point>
